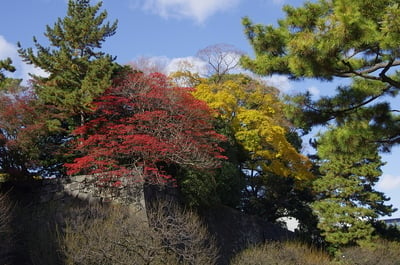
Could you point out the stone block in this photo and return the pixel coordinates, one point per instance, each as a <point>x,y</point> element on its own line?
<point>80,178</point>
<point>74,186</point>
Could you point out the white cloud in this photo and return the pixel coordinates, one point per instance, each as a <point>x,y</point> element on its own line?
<point>22,69</point>
<point>190,63</point>
<point>7,49</point>
<point>314,91</point>
<point>198,10</point>
<point>388,182</point>
<point>280,82</point>
<point>167,65</point>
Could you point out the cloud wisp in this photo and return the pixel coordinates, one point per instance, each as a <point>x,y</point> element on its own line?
<point>197,10</point>
<point>389,182</point>
<point>167,65</point>
<point>281,82</point>
<point>23,70</point>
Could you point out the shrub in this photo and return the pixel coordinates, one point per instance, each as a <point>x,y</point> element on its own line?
<point>116,236</point>
<point>287,253</point>
<point>382,252</point>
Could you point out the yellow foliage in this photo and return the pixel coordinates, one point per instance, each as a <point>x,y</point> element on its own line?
<point>254,113</point>
<point>4,177</point>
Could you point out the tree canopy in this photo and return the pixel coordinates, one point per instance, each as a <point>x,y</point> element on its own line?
<point>260,145</point>
<point>78,70</point>
<point>348,204</point>
<point>254,114</point>
<point>334,39</point>
<point>144,122</point>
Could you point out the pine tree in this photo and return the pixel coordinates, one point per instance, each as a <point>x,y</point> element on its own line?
<point>6,82</point>
<point>356,41</point>
<point>77,70</point>
<point>350,166</point>
<point>5,65</point>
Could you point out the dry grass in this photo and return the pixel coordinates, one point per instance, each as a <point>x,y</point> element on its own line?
<point>382,252</point>
<point>287,253</point>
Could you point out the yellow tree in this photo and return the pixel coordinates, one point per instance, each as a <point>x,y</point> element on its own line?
<point>254,113</point>
<point>251,115</point>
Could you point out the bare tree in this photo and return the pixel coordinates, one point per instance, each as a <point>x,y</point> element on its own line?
<point>221,59</point>
<point>149,65</point>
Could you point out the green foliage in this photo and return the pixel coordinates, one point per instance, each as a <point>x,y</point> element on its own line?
<point>330,39</point>
<point>219,186</point>
<point>5,65</point>
<point>78,72</point>
<point>387,232</point>
<point>326,40</point>
<point>350,167</point>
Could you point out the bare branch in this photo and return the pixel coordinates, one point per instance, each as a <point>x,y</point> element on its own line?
<point>221,58</point>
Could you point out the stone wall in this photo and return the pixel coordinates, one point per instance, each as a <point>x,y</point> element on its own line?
<point>233,230</point>
<point>84,187</point>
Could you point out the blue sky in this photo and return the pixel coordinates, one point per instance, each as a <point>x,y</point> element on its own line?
<point>169,31</point>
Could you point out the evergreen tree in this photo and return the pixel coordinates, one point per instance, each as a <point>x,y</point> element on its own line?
<point>357,41</point>
<point>6,82</point>
<point>348,205</point>
<point>77,70</point>
<point>5,65</point>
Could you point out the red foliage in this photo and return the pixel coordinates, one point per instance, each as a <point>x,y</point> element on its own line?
<point>21,125</point>
<point>143,121</point>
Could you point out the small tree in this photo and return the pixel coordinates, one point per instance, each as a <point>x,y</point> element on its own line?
<point>347,205</point>
<point>221,59</point>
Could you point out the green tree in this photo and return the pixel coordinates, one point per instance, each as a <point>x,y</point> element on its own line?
<point>358,42</point>
<point>77,70</point>
<point>325,40</point>
<point>7,82</point>
<point>348,205</point>
<point>5,65</point>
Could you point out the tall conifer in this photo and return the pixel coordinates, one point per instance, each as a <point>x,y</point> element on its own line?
<point>347,203</point>
<point>78,70</point>
<point>328,40</point>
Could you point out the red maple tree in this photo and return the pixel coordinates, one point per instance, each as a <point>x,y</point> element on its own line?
<point>143,122</point>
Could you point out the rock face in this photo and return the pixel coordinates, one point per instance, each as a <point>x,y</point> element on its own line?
<point>232,229</point>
